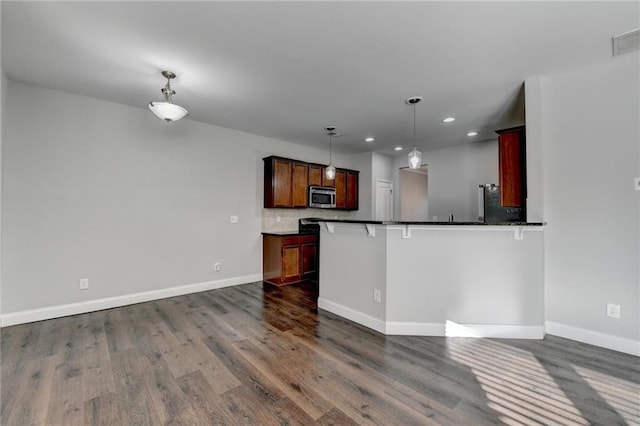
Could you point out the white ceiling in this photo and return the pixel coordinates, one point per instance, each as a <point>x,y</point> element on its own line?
<point>287,69</point>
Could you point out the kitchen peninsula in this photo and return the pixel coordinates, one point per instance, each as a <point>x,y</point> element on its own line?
<point>434,278</point>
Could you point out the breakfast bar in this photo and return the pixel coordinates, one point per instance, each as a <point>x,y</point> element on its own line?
<point>435,278</point>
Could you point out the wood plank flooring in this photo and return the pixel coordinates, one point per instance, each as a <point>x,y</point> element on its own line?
<point>262,355</point>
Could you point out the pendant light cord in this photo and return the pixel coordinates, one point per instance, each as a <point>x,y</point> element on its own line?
<point>330,146</point>
<point>414,126</point>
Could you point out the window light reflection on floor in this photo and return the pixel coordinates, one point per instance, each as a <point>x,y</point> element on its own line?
<point>620,394</point>
<point>516,385</point>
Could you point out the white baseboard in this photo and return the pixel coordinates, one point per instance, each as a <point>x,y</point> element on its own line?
<point>414,328</point>
<point>449,329</point>
<point>595,338</point>
<point>353,315</point>
<point>49,312</point>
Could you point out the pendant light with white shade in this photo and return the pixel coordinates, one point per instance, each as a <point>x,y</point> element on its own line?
<point>330,170</point>
<point>166,110</point>
<point>415,156</point>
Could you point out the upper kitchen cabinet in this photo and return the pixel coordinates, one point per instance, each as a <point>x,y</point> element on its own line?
<point>285,183</point>
<point>512,163</point>
<point>352,189</point>
<point>317,176</point>
<point>346,184</point>
<point>316,172</point>
<point>299,184</point>
<point>341,188</point>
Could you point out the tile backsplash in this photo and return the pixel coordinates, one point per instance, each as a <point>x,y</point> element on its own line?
<point>284,220</point>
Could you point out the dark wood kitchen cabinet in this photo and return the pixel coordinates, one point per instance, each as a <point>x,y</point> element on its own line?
<point>341,189</point>
<point>285,183</point>
<point>327,182</point>
<point>299,184</point>
<point>316,172</point>
<point>345,183</point>
<point>317,176</point>
<point>512,166</point>
<point>352,189</point>
<point>289,259</point>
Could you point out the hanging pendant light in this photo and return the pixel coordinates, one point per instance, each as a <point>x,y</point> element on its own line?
<point>330,170</point>
<point>415,156</point>
<point>167,110</point>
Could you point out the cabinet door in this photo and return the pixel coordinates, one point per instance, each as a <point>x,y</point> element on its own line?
<point>512,173</point>
<point>291,263</point>
<point>281,182</point>
<point>315,175</point>
<point>309,260</point>
<point>299,184</point>
<point>325,181</point>
<point>341,189</point>
<point>352,190</point>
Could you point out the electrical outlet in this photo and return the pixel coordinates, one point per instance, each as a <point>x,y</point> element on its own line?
<point>234,219</point>
<point>216,267</point>
<point>377,296</point>
<point>613,311</point>
<point>84,283</point>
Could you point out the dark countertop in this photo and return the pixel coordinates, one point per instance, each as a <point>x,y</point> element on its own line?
<point>376,222</point>
<point>287,233</point>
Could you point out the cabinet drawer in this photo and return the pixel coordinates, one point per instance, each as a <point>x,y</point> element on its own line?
<point>299,239</point>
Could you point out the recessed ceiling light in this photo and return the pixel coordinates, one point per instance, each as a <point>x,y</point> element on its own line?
<point>398,148</point>
<point>448,119</point>
<point>369,139</point>
<point>472,134</point>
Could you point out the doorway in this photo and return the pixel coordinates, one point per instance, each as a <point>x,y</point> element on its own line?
<point>414,192</point>
<point>384,200</point>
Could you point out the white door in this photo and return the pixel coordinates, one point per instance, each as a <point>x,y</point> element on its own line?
<point>384,200</point>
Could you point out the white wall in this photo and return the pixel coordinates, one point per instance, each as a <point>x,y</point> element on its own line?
<point>3,91</point>
<point>372,166</point>
<point>454,176</point>
<point>414,200</point>
<point>535,146</point>
<point>363,163</point>
<point>465,275</point>
<point>93,189</point>
<point>483,279</point>
<point>382,167</point>
<point>347,282</point>
<point>591,155</point>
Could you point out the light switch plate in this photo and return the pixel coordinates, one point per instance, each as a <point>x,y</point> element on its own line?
<point>636,184</point>
<point>234,219</point>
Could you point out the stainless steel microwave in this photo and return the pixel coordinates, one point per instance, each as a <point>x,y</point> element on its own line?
<point>322,197</point>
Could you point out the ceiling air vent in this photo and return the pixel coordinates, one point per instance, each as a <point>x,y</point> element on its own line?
<point>627,42</point>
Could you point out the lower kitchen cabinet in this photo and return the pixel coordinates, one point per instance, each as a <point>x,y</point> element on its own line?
<point>289,258</point>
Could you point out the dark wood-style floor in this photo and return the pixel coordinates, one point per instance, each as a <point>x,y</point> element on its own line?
<point>265,355</point>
